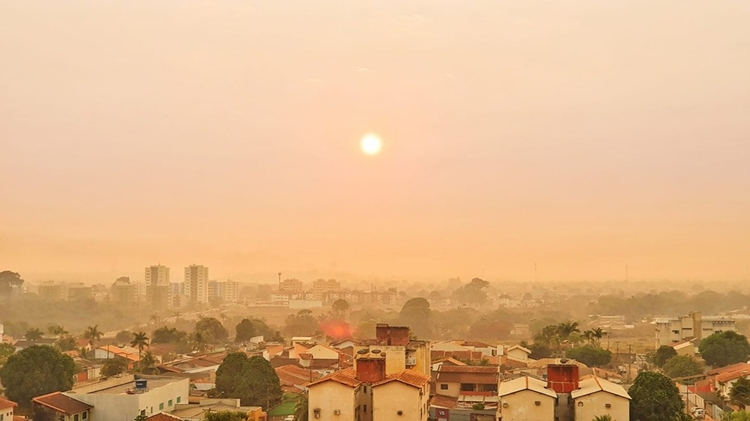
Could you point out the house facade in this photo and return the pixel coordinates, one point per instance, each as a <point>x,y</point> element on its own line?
<point>526,399</point>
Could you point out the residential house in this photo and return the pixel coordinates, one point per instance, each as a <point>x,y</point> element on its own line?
<point>23,343</point>
<point>685,348</point>
<point>597,397</point>
<point>517,353</point>
<point>60,407</point>
<point>470,385</point>
<point>526,399</point>
<point>401,352</point>
<point>339,396</point>
<point>293,378</point>
<point>6,409</point>
<point>401,396</point>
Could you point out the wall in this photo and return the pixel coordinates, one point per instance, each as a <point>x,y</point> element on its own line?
<point>522,407</point>
<point>394,396</point>
<point>454,388</point>
<point>330,396</point>
<point>594,405</point>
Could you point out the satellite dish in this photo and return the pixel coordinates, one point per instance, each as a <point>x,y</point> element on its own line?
<point>362,352</point>
<point>375,351</point>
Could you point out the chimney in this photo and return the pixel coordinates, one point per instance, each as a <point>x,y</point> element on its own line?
<point>562,378</point>
<point>370,370</point>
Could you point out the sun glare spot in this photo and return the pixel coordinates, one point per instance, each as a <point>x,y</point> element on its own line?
<point>371,144</point>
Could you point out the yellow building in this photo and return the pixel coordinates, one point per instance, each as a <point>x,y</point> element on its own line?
<point>526,399</point>
<point>339,396</point>
<point>402,396</point>
<point>596,397</point>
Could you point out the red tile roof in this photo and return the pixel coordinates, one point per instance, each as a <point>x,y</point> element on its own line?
<point>161,416</point>
<point>409,377</point>
<point>347,377</point>
<point>5,404</point>
<point>62,403</point>
<point>468,374</point>
<point>443,401</point>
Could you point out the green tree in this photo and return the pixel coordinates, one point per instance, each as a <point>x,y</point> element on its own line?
<point>301,408</point>
<point>591,355</point>
<point>140,341</point>
<point>682,366</point>
<point>654,397</point>
<point>6,350</point>
<point>198,342</point>
<point>33,335</point>
<point>114,366</point>
<point>740,392</point>
<point>602,418</point>
<point>736,416</point>
<point>225,416</point>
<point>34,371</point>
<point>252,380</point>
<point>93,334</point>
<point>724,348</point>
<point>164,335</point>
<point>8,281</point>
<point>148,363</point>
<point>566,329</point>
<point>417,315</point>
<point>301,324</point>
<point>212,329</point>
<point>141,417</point>
<point>57,330</point>
<point>473,293</point>
<point>664,353</point>
<point>245,331</point>
<point>339,308</point>
<point>66,343</point>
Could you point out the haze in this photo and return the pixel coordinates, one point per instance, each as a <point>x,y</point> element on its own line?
<point>578,135</point>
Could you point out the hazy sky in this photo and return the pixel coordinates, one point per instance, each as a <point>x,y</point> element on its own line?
<point>580,135</point>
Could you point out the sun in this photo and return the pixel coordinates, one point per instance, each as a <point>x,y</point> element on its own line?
<point>371,144</point>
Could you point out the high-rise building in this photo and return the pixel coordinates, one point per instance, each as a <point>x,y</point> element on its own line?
<point>228,291</point>
<point>321,286</point>
<point>157,286</point>
<point>290,285</point>
<point>123,291</point>
<point>196,283</point>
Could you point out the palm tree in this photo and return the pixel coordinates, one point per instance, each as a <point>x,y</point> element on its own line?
<point>566,329</point>
<point>301,408</point>
<point>199,342</point>
<point>57,330</point>
<point>33,335</point>
<point>154,318</point>
<point>93,334</point>
<point>598,334</point>
<point>589,336</point>
<point>147,364</point>
<point>602,418</point>
<point>140,341</point>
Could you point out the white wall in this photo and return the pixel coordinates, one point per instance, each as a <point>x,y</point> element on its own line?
<point>595,405</point>
<point>522,407</point>
<point>394,396</point>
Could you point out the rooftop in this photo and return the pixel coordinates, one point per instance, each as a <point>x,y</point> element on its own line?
<point>596,384</point>
<point>525,383</point>
<point>5,404</point>
<point>347,377</point>
<point>409,377</point>
<point>62,403</point>
<point>124,385</point>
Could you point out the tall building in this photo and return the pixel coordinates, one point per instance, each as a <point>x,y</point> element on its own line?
<point>290,285</point>
<point>123,291</point>
<point>228,291</point>
<point>196,283</point>
<point>157,286</point>
<point>694,325</point>
<point>322,286</point>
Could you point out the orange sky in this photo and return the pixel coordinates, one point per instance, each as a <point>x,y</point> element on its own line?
<point>580,135</point>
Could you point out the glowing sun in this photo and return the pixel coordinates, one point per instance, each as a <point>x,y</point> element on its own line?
<point>371,144</point>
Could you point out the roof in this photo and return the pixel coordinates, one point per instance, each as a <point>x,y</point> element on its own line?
<point>347,377</point>
<point>442,401</point>
<point>526,350</point>
<point>525,383</point>
<point>732,375</point>
<point>596,384</point>
<point>5,404</point>
<point>292,377</point>
<point>408,377</point>
<point>448,361</point>
<point>161,416</point>
<point>468,374</point>
<point>62,403</point>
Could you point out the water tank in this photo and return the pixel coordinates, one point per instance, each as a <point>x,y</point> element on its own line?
<point>141,384</point>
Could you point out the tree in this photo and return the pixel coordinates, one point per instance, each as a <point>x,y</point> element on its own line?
<point>416,314</point>
<point>301,408</point>
<point>212,329</point>
<point>123,336</point>
<point>339,308</point>
<point>34,371</point>
<point>148,363</point>
<point>736,416</point>
<point>724,348</point>
<point>682,366</point>
<point>33,335</point>
<point>198,342</point>
<point>664,353</point>
<point>591,355</point>
<point>93,334</point>
<point>6,350</point>
<point>57,330</point>
<point>245,331</point>
<point>225,416</point>
<point>301,324</point>
<point>565,329</point>
<point>473,293</point>
<point>141,417</point>
<point>66,343</point>
<point>8,281</point>
<point>140,341</point>
<point>252,380</point>
<point>602,418</point>
<point>114,366</point>
<point>739,394</point>
<point>654,397</point>
<point>164,335</point>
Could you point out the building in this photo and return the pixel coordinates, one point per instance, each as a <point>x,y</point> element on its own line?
<point>401,352</point>
<point>123,291</point>
<point>479,383</point>
<point>526,399</point>
<point>401,396</point>
<point>78,291</point>
<point>227,291</point>
<point>322,286</point>
<point>597,397</point>
<point>52,291</point>
<point>60,407</point>
<point>196,284</point>
<point>670,331</point>
<point>157,286</point>
<point>6,409</point>
<point>198,411</point>
<point>339,396</point>
<point>124,398</point>
<point>290,285</point>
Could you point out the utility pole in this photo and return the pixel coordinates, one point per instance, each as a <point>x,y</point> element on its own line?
<point>630,355</point>
<point>279,281</point>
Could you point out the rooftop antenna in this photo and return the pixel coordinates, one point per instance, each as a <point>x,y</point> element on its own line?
<point>279,281</point>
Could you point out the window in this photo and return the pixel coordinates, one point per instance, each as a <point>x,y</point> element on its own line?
<point>75,417</point>
<point>365,406</point>
<point>85,415</point>
<point>169,403</point>
<point>443,386</point>
<point>161,406</point>
<point>179,399</point>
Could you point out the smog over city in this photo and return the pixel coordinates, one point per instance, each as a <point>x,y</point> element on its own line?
<point>476,210</point>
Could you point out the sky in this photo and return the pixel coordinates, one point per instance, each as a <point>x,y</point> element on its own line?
<point>580,136</point>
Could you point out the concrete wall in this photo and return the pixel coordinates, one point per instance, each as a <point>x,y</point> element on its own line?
<point>595,405</point>
<point>522,406</point>
<point>331,396</point>
<point>454,388</point>
<point>321,352</point>
<point>391,397</point>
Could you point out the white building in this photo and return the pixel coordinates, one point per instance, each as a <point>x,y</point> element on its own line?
<point>196,283</point>
<point>597,397</point>
<point>126,397</point>
<point>526,399</point>
<point>673,330</point>
<point>157,286</point>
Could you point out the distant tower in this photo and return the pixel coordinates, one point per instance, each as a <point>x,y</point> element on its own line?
<point>157,286</point>
<point>196,283</point>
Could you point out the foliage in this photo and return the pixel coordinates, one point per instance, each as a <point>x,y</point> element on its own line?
<point>252,380</point>
<point>57,330</point>
<point>262,329</point>
<point>301,408</point>
<point>93,334</point>
<point>339,308</point>
<point>198,342</point>
<point>736,416</point>
<point>34,371</point>
<point>602,418</point>
<point>34,334</point>
<point>164,335</point>
<point>148,363</point>
<point>225,416</point>
<point>123,336</point>
<point>724,348</point>
<point>664,353</point>
<point>212,329</point>
<point>591,355</point>
<point>66,343</point>
<point>654,397</point>
<point>140,341</point>
<point>8,281</point>
<point>416,314</point>
<point>740,392</point>
<point>301,324</point>
<point>478,406</point>
<point>141,417</point>
<point>682,366</point>
<point>473,293</point>
<point>114,366</point>
<point>245,331</point>
<point>6,350</point>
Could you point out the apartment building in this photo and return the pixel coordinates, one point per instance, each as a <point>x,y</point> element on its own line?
<point>196,284</point>
<point>670,331</point>
<point>157,286</point>
<point>123,291</point>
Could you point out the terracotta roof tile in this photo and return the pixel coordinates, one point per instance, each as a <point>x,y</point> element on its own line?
<point>410,377</point>
<point>161,416</point>
<point>5,404</point>
<point>347,377</point>
<point>62,403</point>
<point>443,401</point>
